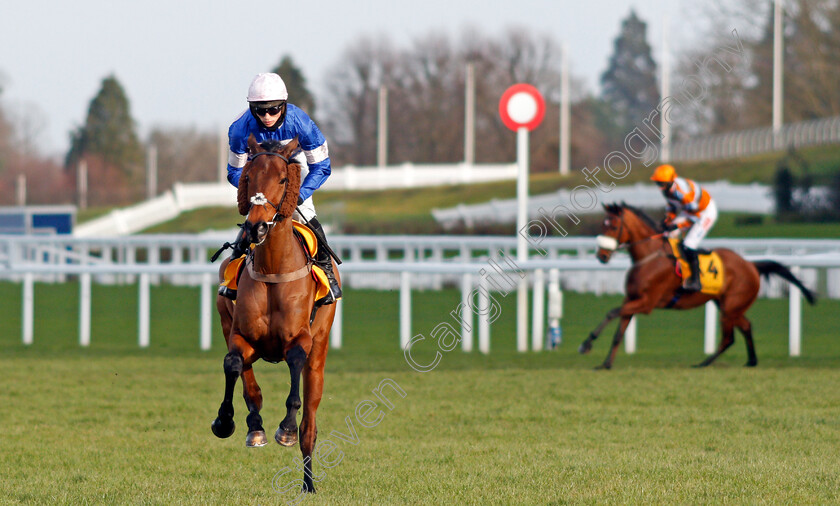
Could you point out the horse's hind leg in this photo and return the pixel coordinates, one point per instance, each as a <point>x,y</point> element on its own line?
<point>726,341</point>
<point>586,346</point>
<point>745,327</point>
<point>287,432</point>
<point>253,399</point>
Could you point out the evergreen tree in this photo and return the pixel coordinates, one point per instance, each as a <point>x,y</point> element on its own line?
<point>109,145</point>
<point>296,84</point>
<point>783,184</point>
<point>109,132</point>
<point>629,83</point>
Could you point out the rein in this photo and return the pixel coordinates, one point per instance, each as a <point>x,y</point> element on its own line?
<point>632,243</point>
<point>629,244</point>
<point>625,245</point>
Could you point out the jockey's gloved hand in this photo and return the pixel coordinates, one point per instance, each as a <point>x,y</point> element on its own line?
<point>669,226</point>
<point>300,200</point>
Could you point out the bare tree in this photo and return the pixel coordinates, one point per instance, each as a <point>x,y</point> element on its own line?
<point>741,97</point>
<point>426,95</point>
<point>352,98</point>
<point>185,155</point>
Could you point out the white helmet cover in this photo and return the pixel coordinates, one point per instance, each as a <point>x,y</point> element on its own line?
<point>267,87</point>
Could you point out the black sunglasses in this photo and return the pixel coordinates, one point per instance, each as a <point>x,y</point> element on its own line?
<point>271,111</point>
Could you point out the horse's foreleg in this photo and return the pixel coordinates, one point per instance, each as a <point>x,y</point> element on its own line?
<point>586,346</point>
<point>725,342</point>
<point>626,312</point>
<point>223,425</point>
<point>287,432</point>
<point>253,399</point>
<point>619,335</point>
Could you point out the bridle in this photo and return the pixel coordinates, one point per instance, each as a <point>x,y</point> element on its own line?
<point>260,199</point>
<point>612,244</point>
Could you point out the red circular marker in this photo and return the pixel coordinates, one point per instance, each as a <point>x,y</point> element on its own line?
<point>522,106</point>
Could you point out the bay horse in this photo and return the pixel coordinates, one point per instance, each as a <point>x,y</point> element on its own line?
<point>275,301</point>
<point>652,282</point>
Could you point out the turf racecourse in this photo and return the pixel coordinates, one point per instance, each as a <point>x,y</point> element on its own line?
<point>113,424</point>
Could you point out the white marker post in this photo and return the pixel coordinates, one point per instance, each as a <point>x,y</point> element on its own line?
<point>522,109</point>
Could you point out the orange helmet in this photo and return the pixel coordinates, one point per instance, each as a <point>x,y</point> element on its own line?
<point>664,174</point>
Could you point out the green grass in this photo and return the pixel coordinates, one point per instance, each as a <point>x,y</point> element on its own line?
<point>113,424</point>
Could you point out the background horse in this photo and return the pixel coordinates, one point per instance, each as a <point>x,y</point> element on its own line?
<point>652,281</point>
<point>275,298</point>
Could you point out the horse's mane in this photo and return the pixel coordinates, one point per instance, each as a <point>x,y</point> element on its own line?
<point>272,145</point>
<point>617,208</point>
<point>292,173</point>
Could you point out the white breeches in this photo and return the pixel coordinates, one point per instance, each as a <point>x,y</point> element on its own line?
<point>307,209</point>
<point>701,227</point>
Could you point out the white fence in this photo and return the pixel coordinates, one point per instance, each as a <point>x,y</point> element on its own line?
<point>406,263</point>
<point>476,292</point>
<point>759,140</point>
<point>178,250</point>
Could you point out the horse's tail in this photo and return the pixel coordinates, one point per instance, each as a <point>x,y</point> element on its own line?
<point>768,267</point>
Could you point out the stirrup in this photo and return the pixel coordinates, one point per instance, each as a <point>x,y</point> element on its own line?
<point>333,294</point>
<point>693,284</point>
<point>227,292</point>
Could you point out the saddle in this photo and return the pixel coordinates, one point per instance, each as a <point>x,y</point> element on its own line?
<point>712,272</point>
<point>309,245</point>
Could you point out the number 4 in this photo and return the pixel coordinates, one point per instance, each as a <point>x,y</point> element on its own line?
<point>712,269</point>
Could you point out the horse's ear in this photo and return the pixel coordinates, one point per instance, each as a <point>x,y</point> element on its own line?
<point>292,148</point>
<point>253,146</point>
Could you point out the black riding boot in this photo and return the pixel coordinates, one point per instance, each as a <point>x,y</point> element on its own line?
<point>240,247</point>
<point>324,260</point>
<point>690,255</point>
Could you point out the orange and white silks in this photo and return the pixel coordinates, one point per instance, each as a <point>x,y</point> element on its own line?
<point>687,196</point>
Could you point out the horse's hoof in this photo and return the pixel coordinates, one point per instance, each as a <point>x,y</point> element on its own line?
<point>256,439</point>
<point>222,429</point>
<point>286,438</point>
<point>751,363</point>
<point>585,348</point>
<point>603,367</point>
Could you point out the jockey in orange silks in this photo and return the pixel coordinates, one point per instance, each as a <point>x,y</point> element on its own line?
<point>688,207</point>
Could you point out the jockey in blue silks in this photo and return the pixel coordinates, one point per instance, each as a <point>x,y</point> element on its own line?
<point>270,117</point>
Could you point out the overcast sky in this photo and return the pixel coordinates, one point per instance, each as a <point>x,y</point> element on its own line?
<point>189,63</point>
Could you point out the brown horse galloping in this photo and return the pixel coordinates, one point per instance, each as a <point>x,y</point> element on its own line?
<point>652,282</point>
<point>275,299</point>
